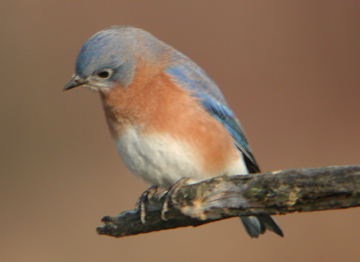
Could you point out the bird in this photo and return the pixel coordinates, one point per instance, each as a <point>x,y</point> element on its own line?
<point>167,117</point>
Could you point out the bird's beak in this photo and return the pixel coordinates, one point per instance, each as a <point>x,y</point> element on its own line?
<point>75,82</point>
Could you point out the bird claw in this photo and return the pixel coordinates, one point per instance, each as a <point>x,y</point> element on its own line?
<point>143,200</point>
<point>167,194</point>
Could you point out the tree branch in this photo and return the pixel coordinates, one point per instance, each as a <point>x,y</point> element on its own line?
<point>271,193</point>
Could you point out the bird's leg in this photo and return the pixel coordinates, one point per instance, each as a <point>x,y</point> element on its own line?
<point>143,200</point>
<point>167,194</point>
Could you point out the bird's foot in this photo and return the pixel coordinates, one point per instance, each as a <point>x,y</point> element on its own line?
<point>143,200</point>
<point>167,194</point>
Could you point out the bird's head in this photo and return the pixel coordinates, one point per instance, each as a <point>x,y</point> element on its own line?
<point>110,58</point>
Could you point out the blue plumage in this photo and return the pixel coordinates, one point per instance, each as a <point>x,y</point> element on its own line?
<point>192,78</point>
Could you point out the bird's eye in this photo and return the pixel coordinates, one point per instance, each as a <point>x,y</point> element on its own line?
<point>104,73</point>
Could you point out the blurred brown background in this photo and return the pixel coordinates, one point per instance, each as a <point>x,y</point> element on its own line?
<point>289,70</point>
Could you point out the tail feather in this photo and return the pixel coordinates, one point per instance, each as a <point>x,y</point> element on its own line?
<point>257,225</point>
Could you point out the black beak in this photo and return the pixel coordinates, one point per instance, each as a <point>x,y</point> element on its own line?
<point>75,82</point>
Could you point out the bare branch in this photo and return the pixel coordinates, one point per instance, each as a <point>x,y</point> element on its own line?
<point>279,192</point>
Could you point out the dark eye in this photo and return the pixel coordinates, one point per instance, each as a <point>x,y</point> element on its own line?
<point>104,73</point>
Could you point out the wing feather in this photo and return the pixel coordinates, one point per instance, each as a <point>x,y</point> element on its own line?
<point>192,78</point>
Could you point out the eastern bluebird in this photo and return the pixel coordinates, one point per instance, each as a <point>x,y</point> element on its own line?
<point>168,119</point>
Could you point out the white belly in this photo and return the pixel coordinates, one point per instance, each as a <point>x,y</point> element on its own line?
<point>158,159</point>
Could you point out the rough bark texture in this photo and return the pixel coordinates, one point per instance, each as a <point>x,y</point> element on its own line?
<point>271,193</point>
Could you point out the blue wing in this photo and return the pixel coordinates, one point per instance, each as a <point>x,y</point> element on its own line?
<point>192,78</point>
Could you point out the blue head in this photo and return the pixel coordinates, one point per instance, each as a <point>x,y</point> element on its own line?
<point>110,57</point>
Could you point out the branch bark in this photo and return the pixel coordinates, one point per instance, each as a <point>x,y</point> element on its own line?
<point>271,193</point>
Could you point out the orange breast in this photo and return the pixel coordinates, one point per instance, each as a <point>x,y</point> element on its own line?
<point>160,106</point>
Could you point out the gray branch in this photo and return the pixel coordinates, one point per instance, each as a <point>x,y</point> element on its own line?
<point>271,193</point>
